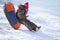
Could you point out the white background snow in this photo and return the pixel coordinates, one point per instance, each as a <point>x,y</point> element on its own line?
<point>45,13</point>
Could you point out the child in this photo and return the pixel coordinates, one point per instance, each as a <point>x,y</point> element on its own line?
<point>21,16</point>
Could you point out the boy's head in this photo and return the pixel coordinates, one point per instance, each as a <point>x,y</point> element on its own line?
<point>25,7</point>
<point>21,9</point>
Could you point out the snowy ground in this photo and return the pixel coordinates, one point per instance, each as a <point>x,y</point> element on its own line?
<point>45,13</point>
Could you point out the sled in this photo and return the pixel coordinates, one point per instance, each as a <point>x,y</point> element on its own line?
<point>10,13</point>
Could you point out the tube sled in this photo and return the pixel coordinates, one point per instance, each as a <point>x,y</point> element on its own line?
<point>9,11</point>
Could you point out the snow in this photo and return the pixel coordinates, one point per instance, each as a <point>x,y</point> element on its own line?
<point>45,13</point>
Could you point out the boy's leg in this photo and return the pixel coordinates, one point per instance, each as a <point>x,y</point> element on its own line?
<point>30,25</point>
<point>26,23</point>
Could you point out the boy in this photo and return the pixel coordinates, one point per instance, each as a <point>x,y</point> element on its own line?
<point>21,16</point>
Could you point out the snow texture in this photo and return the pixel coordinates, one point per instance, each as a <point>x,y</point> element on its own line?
<point>45,13</point>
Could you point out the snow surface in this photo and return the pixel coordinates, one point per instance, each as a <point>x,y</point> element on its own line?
<point>45,13</point>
